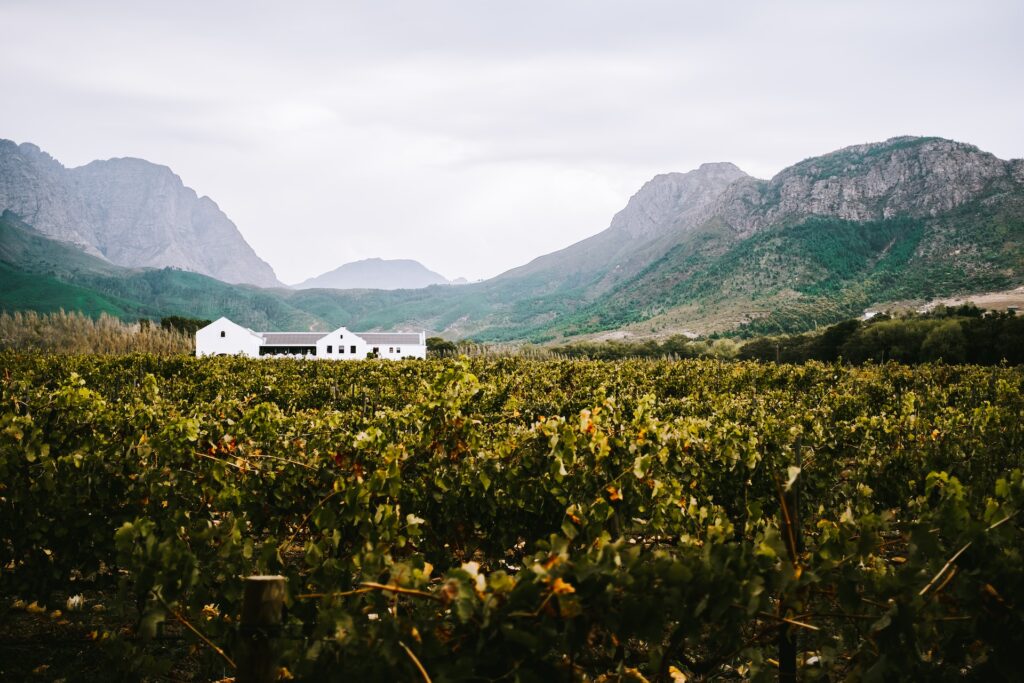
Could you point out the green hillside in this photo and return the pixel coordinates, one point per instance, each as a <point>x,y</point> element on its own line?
<point>33,292</point>
<point>40,274</point>
<point>794,277</point>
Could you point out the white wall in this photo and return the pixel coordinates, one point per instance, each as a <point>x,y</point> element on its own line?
<point>235,340</point>
<point>401,351</point>
<point>398,351</point>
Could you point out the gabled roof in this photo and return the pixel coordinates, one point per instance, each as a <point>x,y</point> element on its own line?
<point>390,337</point>
<point>233,324</point>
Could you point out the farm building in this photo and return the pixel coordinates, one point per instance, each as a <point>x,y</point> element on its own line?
<point>225,338</point>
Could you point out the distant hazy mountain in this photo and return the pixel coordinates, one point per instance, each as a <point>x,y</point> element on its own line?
<point>128,211</point>
<point>375,273</point>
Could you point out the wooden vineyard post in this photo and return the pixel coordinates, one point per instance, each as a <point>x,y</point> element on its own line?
<point>791,525</point>
<point>260,629</point>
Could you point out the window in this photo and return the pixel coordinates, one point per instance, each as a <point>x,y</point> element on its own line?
<point>330,349</point>
<point>352,349</point>
<point>341,336</point>
<point>341,349</point>
<point>391,349</point>
<point>223,333</point>
<point>398,349</point>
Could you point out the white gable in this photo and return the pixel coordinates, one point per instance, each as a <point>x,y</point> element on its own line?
<point>341,344</point>
<point>223,337</point>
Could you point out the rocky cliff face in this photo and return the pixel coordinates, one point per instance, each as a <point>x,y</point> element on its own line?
<point>905,176</point>
<point>128,211</point>
<point>37,188</point>
<point>674,200</point>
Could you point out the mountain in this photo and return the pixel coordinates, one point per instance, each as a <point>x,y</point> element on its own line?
<point>904,218</point>
<point>712,250</point>
<point>717,250</point>
<point>375,273</point>
<point>129,212</point>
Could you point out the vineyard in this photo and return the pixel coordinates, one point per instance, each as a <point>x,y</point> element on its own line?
<point>518,520</point>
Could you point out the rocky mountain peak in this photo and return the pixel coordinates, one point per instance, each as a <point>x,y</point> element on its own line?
<point>33,151</point>
<point>129,211</point>
<point>724,168</point>
<point>669,198</point>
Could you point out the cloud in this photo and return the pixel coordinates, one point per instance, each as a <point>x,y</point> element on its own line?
<point>475,136</point>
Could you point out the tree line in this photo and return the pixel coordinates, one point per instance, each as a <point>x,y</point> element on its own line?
<point>963,334</point>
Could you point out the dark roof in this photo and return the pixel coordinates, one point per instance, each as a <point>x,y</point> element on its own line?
<point>311,338</point>
<point>390,337</point>
<point>291,338</point>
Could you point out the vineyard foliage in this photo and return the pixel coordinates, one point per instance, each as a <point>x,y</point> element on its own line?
<point>518,520</point>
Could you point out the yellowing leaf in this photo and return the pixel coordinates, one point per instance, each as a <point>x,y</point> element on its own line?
<point>560,587</point>
<point>676,675</point>
<point>791,474</point>
<point>633,674</point>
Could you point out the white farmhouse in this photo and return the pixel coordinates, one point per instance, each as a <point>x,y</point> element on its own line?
<point>225,338</point>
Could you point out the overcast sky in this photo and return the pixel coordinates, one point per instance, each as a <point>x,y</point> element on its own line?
<point>476,135</point>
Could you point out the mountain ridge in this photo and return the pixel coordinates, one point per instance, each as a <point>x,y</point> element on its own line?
<point>709,250</point>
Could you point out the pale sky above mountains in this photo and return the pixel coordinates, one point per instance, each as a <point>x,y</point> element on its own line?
<point>475,136</point>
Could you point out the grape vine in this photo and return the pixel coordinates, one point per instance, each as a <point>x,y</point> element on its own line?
<point>517,520</point>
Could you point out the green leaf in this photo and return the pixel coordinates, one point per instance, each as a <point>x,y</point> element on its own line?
<point>640,466</point>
